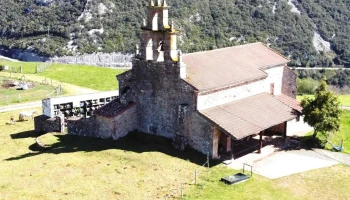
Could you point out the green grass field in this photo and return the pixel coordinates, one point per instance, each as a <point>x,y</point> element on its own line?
<point>136,168</point>
<point>321,184</point>
<point>343,134</point>
<point>12,95</point>
<point>97,78</point>
<point>27,67</point>
<point>88,168</point>
<point>344,99</point>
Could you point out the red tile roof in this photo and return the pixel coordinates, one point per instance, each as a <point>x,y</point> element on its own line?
<point>289,101</point>
<point>226,67</point>
<point>113,109</point>
<point>250,115</point>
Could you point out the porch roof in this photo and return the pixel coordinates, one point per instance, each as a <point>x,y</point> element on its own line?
<point>250,115</point>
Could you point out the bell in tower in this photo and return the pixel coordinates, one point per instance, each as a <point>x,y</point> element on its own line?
<point>158,40</point>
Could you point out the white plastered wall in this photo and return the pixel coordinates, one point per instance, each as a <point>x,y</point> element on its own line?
<point>232,94</point>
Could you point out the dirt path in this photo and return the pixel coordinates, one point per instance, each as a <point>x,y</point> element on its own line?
<point>346,107</point>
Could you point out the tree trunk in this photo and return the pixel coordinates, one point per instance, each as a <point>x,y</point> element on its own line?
<point>314,135</point>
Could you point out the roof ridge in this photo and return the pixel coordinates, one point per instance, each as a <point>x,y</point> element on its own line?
<point>220,49</point>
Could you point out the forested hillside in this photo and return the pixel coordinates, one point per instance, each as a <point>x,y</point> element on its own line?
<point>66,27</point>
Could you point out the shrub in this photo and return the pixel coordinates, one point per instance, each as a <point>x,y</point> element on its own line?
<point>307,86</point>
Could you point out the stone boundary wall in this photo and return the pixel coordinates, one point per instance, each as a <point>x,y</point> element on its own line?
<point>47,124</point>
<point>88,127</point>
<point>97,59</point>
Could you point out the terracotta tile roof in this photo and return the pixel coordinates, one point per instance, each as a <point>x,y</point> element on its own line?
<point>250,115</point>
<point>113,109</point>
<point>225,67</point>
<point>289,101</point>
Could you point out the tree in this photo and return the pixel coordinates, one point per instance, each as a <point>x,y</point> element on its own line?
<point>323,112</point>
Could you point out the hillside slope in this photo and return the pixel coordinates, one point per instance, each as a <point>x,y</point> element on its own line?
<point>310,32</point>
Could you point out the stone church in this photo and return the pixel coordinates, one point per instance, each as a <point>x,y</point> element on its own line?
<point>210,101</point>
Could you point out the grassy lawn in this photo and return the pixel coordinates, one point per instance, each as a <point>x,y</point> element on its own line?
<point>135,168</point>
<point>87,168</point>
<point>12,95</point>
<point>97,78</point>
<point>321,184</point>
<point>343,134</point>
<point>344,99</point>
<point>27,67</point>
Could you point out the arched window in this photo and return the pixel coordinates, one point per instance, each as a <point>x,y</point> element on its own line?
<point>149,49</point>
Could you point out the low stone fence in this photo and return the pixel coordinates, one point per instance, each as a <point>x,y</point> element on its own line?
<point>46,124</point>
<point>83,126</point>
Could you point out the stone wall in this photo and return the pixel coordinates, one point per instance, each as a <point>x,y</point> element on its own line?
<point>120,125</point>
<point>201,134</point>
<point>159,92</point>
<point>289,86</point>
<point>83,126</point>
<point>103,127</point>
<point>47,124</point>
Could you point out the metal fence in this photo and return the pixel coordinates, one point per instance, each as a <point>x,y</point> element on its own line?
<point>198,174</point>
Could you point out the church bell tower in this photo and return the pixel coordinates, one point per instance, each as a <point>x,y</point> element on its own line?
<point>158,38</point>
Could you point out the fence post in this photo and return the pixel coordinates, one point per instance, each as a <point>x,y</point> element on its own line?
<point>20,69</point>
<point>182,194</point>
<point>36,69</point>
<point>7,99</point>
<point>195,177</point>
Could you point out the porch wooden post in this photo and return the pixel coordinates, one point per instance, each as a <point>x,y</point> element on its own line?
<point>260,142</point>
<point>285,130</point>
<point>232,146</point>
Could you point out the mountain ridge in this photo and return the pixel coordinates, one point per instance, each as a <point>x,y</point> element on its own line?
<point>68,27</point>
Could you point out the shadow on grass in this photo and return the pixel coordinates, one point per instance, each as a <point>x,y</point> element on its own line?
<point>133,142</point>
<point>26,134</point>
<point>304,142</point>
